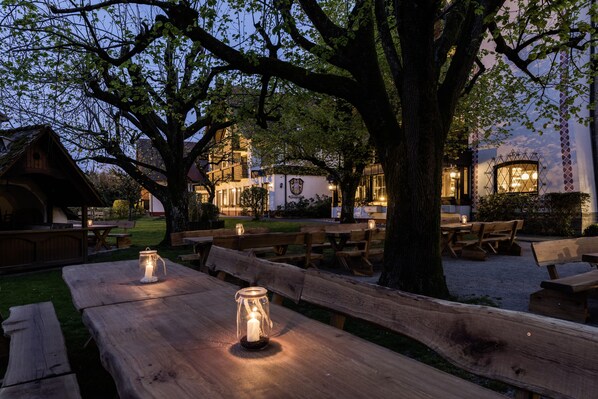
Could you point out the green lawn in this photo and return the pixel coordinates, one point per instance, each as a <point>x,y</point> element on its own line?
<point>94,381</point>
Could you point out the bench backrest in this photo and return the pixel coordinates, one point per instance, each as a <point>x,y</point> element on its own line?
<point>446,218</point>
<point>547,356</point>
<point>556,252</point>
<point>334,227</point>
<point>178,238</point>
<point>122,224</point>
<point>283,279</point>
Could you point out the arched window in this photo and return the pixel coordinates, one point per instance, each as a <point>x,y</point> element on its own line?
<point>516,177</point>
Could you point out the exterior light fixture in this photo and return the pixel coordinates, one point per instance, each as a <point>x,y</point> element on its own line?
<point>239,229</point>
<point>253,318</point>
<point>148,262</point>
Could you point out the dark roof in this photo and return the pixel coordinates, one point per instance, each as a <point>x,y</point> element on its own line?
<point>148,154</point>
<point>68,188</point>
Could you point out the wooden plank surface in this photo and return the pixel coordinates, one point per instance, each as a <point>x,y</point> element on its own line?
<point>572,284</point>
<point>280,278</point>
<point>37,347</point>
<point>63,387</point>
<point>185,347</point>
<point>114,282</point>
<point>591,258</point>
<point>563,251</point>
<point>544,355</point>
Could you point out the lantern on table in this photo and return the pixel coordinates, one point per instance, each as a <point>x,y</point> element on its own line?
<point>148,263</point>
<point>253,317</point>
<point>239,229</point>
<point>371,224</point>
<point>89,222</point>
<point>463,219</point>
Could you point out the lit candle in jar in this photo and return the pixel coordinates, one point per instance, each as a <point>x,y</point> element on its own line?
<point>253,328</point>
<point>149,271</point>
<point>463,219</point>
<point>371,224</point>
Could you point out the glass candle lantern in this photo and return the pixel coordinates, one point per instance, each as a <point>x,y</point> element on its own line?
<point>371,224</point>
<point>89,222</point>
<point>464,219</point>
<point>148,263</point>
<point>253,317</point>
<point>239,229</point>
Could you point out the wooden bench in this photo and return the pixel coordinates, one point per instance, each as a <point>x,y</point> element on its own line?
<point>123,240</point>
<point>494,236</point>
<point>564,298</point>
<point>545,356</point>
<point>357,259</point>
<point>274,246</point>
<point>38,366</point>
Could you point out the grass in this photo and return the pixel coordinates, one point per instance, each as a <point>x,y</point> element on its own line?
<point>95,382</point>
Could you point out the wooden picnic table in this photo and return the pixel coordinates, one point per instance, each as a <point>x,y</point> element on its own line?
<point>101,231</point>
<point>451,230</point>
<point>178,339</point>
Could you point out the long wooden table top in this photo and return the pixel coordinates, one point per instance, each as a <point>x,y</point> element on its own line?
<point>185,346</point>
<point>108,283</point>
<point>572,284</point>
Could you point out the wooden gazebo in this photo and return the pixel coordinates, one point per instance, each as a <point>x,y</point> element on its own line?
<point>38,181</point>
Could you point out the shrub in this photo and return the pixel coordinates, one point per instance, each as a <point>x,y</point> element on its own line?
<point>254,199</point>
<point>550,214</point>
<point>591,230</point>
<point>318,207</point>
<point>120,209</point>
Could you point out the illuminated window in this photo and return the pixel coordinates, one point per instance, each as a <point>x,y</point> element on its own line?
<point>516,177</point>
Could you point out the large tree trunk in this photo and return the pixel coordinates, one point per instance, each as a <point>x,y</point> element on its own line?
<point>412,260</point>
<point>175,200</point>
<point>413,168</point>
<point>348,187</point>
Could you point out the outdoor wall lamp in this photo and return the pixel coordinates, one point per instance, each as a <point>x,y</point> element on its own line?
<point>148,263</point>
<point>253,318</point>
<point>239,229</point>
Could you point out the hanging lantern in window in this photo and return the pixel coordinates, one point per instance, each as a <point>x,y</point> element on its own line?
<point>371,224</point>
<point>239,229</point>
<point>253,317</point>
<point>148,263</point>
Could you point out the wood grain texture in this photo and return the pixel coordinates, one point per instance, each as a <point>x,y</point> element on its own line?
<point>563,251</point>
<point>114,282</point>
<point>37,347</point>
<point>283,279</point>
<point>548,356</point>
<point>186,347</point>
<point>572,284</point>
<point>63,387</point>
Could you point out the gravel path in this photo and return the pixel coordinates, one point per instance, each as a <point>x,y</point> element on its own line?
<point>505,280</point>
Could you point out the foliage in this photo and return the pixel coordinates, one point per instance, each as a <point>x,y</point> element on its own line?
<point>550,214</point>
<point>405,66</point>
<point>120,209</point>
<point>325,132</point>
<point>254,199</point>
<point>318,207</point>
<point>591,230</point>
<point>109,83</point>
